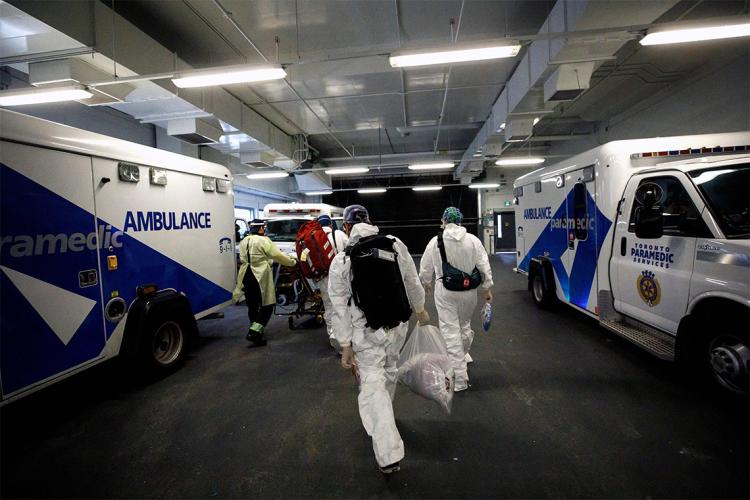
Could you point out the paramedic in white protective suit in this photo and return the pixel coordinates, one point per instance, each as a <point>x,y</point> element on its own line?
<point>339,240</point>
<point>455,308</point>
<point>374,353</point>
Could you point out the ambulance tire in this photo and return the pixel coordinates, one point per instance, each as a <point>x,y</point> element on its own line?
<point>164,343</point>
<point>717,350</point>
<point>542,295</point>
<point>710,348</point>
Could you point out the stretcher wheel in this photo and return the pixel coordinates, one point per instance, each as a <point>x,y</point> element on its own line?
<point>319,319</point>
<point>291,323</point>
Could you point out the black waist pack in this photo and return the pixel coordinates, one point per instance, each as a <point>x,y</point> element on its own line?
<point>455,279</point>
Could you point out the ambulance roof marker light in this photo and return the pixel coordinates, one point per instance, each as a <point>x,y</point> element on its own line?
<point>689,151</point>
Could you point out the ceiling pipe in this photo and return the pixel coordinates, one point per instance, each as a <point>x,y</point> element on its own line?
<point>454,38</point>
<point>228,15</point>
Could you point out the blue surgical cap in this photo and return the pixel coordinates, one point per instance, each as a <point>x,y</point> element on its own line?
<point>325,220</point>
<point>354,214</point>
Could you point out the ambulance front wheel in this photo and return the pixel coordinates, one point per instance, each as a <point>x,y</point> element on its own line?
<point>542,295</point>
<point>714,346</point>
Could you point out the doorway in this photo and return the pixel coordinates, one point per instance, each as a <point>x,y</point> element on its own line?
<point>505,234</point>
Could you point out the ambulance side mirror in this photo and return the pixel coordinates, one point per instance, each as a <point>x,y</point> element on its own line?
<point>648,222</point>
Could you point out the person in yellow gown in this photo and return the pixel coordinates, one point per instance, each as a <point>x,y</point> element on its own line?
<point>257,253</point>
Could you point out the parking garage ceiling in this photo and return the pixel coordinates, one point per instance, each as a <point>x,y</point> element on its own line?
<point>354,108</point>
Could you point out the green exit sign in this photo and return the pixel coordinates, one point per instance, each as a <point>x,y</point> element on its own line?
<point>508,203</point>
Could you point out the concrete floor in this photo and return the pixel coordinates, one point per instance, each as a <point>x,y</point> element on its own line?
<point>558,408</point>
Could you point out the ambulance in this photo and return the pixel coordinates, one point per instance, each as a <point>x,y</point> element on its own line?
<point>107,248</point>
<point>283,220</point>
<point>652,238</point>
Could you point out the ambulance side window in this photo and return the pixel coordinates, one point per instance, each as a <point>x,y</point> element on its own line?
<point>580,211</point>
<point>679,214</point>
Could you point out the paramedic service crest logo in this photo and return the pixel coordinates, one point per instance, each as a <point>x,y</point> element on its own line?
<point>648,288</point>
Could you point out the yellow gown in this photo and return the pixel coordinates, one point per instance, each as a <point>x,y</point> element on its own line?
<point>259,253</point>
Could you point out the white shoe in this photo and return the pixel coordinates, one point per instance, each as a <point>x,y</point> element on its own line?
<point>468,358</point>
<point>459,388</point>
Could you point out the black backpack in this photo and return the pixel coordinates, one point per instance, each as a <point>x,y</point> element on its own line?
<point>455,279</point>
<point>377,286</point>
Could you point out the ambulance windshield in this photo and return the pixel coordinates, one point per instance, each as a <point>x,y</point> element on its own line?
<point>283,229</point>
<point>727,190</point>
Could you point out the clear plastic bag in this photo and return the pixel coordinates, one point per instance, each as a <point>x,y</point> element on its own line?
<point>425,368</point>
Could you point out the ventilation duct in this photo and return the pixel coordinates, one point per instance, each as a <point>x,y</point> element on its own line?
<point>568,82</point>
<point>519,129</point>
<point>258,159</point>
<point>194,131</point>
<point>65,71</point>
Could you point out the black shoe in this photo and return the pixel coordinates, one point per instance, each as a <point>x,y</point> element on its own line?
<point>390,469</point>
<point>259,343</point>
<point>255,338</point>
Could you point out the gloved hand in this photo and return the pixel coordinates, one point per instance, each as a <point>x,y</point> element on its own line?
<point>488,295</point>
<point>423,317</point>
<point>347,357</point>
<point>427,288</point>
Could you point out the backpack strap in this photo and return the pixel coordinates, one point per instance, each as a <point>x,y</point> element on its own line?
<point>441,247</point>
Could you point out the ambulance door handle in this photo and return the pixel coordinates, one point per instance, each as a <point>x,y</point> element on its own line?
<point>623,245</point>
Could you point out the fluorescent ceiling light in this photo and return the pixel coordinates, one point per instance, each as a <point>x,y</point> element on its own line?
<point>536,120</point>
<point>522,160</point>
<point>268,175</point>
<point>696,34</point>
<point>432,166</point>
<point>405,60</point>
<point>427,188</point>
<point>486,185</point>
<point>477,155</point>
<point>347,170</point>
<point>228,76</point>
<point>43,95</point>
<point>319,193</point>
<point>371,190</point>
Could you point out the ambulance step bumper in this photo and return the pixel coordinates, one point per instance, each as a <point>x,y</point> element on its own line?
<point>658,343</point>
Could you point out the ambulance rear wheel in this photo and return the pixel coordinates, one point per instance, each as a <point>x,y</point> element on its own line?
<point>543,297</point>
<point>164,344</point>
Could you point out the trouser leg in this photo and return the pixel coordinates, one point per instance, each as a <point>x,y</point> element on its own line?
<point>328,313</point>
<point>255,310</point>
<point>447,303</point>
<point>264,314</point>
<point>393,346</point>
<point>252,296</point>
<point>465,313</point>
<point>375,405</point>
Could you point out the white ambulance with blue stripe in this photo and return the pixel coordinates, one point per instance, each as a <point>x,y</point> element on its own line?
<point>652,238</point>
<point>106,248</point>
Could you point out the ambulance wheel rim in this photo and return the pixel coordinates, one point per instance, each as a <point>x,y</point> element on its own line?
<point>727,357</point>
<point>167,343</point>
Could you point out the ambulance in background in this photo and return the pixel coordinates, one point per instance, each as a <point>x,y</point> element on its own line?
<point>283,220</point>
<point>652,238</point>
<point>107,248</point>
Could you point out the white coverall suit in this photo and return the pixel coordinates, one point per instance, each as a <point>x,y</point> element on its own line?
<point>464,251</point>
<point>339,240</point>
<point>376,352</point>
